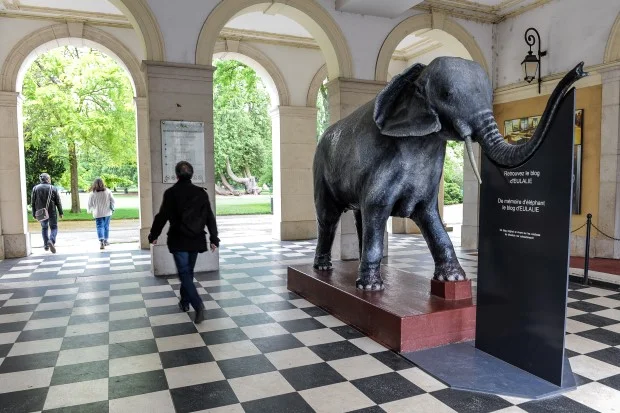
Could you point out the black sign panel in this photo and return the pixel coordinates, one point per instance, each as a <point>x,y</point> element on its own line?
<point>523,256</point>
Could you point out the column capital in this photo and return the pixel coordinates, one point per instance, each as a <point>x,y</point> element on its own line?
<point>180,71</point>
<point>609,72</point>
<point>10,99</point>
<point>294,111</point>
<point>141,102</point>
<point>356,85</point>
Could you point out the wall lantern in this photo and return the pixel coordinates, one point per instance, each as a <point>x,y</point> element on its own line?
<point>531,63</point>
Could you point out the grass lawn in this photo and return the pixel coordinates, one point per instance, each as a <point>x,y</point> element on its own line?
<point>243,205</point>
<point>120,213</point>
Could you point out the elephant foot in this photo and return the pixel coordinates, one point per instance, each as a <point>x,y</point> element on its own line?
<point>450,271</point>
<point>370,280</point>
<point>323,262</point>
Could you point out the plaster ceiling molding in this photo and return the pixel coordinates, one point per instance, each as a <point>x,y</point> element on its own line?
<point>390,9</point>
<point>484,11</point>
<point>415,45</point>
<point>269,38</point>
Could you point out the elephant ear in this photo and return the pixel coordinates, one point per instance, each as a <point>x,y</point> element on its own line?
<point>401,109</point>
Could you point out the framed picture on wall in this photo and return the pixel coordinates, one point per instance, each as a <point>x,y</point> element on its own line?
<point>519,131</point>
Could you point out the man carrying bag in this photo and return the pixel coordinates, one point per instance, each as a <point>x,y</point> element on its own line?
<point>187,208</point>
<point>45,202</point>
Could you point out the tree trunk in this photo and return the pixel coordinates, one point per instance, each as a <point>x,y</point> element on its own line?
<point>228,186</point>
<point>73,168</point>
<point>221,191</point>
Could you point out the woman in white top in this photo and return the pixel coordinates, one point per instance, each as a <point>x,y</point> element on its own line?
<point>101,205</point>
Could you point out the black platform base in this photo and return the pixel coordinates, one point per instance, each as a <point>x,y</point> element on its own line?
<point>463,367</point>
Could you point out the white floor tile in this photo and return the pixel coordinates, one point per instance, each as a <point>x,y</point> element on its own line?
<point>85,329</point>
<point>329,321</point>
<point>422,379</point>
<point>288,315</point>
<point>159,402</point>
<point>128,314</point>
<point>248,286</point>
<point>14,318</point>
<point>47,323</point>
<point>420,403</point>
<point>167,319</point>
<point>592,369</point>
<point>260,386</point>
<point>22,301</point>
<point>60,305</point>
<point>301,303</point>
<point>61,291</point>
<point>82,355</point>
<point>359,367</point>
<point>76,393</point>
<point>193,374</point>
<point>613,314</point>
<point>233,350</point>
<point>34,347</point>
<point>573,326</point>
<point>242,310</point>
<point>87,310</point>
<point>264,330</point>
<point>9,338</point>
<point>216,324</point>
<point>336,398</point>
<point>125,298</point>
<point>316,337</point>
<point>124,286</point>
<point>296,357</point>
<point>92,295</point>
<point>24,380</point>
<point>125,336</point>
<point>597,396</point>
<point>161,302</point>
<point>135,364</point>
<point>179,342</point>
<point>267,298</point>
<point>582,345</point>
<point>155,289</point>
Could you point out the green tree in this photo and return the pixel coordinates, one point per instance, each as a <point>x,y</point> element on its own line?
<point>242,124</point>
<point>322,104</point>
<point>78,102</point>
<point>453,173</point>
<point>38,160</point>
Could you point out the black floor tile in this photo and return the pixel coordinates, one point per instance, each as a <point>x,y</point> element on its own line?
<point>585,306</point>
<point>185,357</point>
<point>174,330</point>
<point>160,294</point>
<point>135,384</point>
<point>129,324</point>
<point>276,306</point>
<point>12,327</point>
<point>257,291</point>
<point>89,302</point>
<point>373,409</point>
<point>602,335</point>
<point>14,309</point>
<point>337,350</point>
<point>132,348</point>
<point>287,403</point>
<point>42,334</point>
<point>164,310</point>
<point>223,336</point>
<point>5,349</point>
<point>393,360</point>
<point>305,324</point>
<point>127,306</point>
<point>29,362</point>
<point>220,289</point>
<point>595,320</point>
<point>559,404</point>
<point>126,291</point>
<point>23,401</point>
<point>88,340</point>
<point>580,380</point>
<point>277,343</point>
<point>57,298</point>
<point>203,396</point>
<point>613,382</point>
<point>89,318</point>
<point>234,302</point>
<point>578,295</point>
<point>98,407</point>
<point>348,332</point>
<point>387,388</point>
<point>608,355</point>
<point>80,372</point>
<point>468,402</point>
<point>314,375</point>
<point>569,353</point>
<point>315,311</point>
<point>39,315</point>
<point>253,319</point>
<point>215,313</point>
<point>245,366</point>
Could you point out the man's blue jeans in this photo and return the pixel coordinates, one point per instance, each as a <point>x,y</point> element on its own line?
<point>185,262</point>
<point>49,229</point>
<point>103,227</point>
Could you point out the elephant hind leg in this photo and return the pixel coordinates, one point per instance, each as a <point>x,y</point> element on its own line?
<point>328,215</point>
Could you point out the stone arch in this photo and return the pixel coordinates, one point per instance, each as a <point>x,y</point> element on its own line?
<point>421,22</point>
<point>612,51</point>
<point>146,26</point>
<point>315,85</point>
<point>308,13</point>
<point>263,65</point>
<point>59,35</point>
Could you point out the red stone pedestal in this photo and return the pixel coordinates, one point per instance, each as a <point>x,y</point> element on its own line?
<point>404,317</point>
<point>451,290</point>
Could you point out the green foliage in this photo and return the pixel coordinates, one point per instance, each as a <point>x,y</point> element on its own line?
<point>79,107</point>
<point>322,104</point>
<point>242,124</point>
<point>453,173</point>
<point>38,160</point>
<point>119,213</point>
<point>258,208</point>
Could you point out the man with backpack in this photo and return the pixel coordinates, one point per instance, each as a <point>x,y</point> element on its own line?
<point>45,200</point>
<point>187,208</point>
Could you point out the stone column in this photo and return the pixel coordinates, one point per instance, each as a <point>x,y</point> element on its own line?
<point>345,96</point>
<point>13,223</point>
<point>608,219</point>
<point>471,200</point>
<point>178,92</point>
<point>143,151</point>
<point>294,144</point>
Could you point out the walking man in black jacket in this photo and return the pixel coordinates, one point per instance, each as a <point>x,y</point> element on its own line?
<point>187,208</point>
<point>44,195</point>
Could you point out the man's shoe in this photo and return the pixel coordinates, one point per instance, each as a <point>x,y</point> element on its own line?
<point>101,245</point>
<point>200,316</point>
<point>51,246</point>
<point>184,308</point>
<point>106,243</point>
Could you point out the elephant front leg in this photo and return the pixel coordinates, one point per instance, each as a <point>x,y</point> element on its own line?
<point>447,267</point>
<point>373,229</point>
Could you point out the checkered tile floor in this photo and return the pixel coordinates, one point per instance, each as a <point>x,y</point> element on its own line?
<point>110,339</point>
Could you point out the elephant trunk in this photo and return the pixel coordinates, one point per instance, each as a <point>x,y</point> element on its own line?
<point>506,155</point>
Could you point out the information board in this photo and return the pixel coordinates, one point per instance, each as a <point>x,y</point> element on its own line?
<point>182,141</point>
<point>523,256</point>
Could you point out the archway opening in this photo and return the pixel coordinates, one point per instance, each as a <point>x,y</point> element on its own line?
<point>423,46</point>
<point>79,124</point>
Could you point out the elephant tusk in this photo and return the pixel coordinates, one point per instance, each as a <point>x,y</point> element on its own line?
<point>472,159</point>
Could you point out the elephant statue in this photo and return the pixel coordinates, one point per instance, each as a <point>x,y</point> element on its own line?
<point>386,158</point>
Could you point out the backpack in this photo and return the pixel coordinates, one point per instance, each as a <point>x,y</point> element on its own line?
<point>194,217</point>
